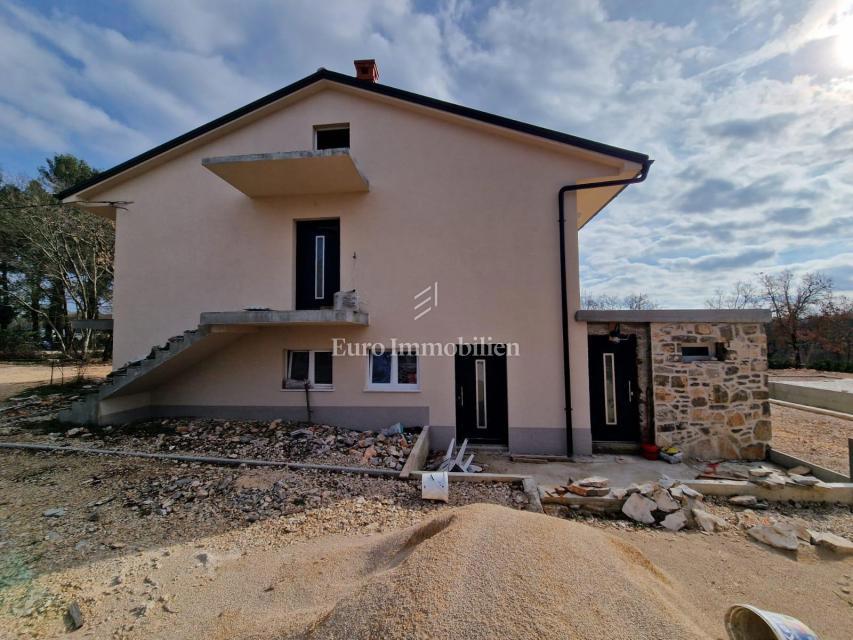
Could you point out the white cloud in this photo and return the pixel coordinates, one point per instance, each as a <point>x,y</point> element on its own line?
<point>743,143</point>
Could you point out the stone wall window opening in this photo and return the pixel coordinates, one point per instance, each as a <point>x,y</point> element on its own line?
<point>704,352</point>
<point>609,389</point>
<point>695,353</point>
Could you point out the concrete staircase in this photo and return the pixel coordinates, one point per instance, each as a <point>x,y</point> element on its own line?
<point>135,377</point>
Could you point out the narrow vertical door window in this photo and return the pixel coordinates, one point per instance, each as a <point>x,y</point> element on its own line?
<point>480,389</point>
<point>320,267</point>
<point>609,389</point>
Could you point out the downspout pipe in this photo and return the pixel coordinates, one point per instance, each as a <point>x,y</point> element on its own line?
<point>564,294</point>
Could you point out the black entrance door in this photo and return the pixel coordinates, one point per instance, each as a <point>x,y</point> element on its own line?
<point>318,263</point>
<point>613,391</point>
<point>481,404</point>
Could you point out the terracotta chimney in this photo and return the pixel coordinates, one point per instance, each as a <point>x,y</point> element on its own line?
<point>366,70</point>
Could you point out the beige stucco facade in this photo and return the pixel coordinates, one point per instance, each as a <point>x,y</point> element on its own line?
<point>464,204</point>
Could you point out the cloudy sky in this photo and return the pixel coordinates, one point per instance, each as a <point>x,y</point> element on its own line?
<point>747,107</point>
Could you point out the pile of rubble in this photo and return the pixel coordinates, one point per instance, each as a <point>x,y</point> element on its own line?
<point>669,503</point>
<point>676,506</point>
<point>276,440</point>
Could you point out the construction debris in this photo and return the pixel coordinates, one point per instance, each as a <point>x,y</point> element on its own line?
<point>639,509</point>
<point>708,522</point>
<point>775,536</point>
<point>457,462</point>
<point>839,545</point>
<point>74,618</point>
<point>435,486</point>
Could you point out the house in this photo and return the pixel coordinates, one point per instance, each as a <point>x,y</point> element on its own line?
<point>359,255</point>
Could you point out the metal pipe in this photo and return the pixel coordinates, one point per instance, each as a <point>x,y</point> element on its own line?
<point>564,294</point>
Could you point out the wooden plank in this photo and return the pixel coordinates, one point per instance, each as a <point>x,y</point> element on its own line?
<point>455,476</point>
<point>602,504</point>
<point>418,454</point>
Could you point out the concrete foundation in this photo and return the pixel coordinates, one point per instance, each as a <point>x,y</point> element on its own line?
<point>835,395</point>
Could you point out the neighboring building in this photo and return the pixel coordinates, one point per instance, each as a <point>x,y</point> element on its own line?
<point>341,209</point>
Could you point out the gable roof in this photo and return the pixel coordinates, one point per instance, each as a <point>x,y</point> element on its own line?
<point>385,90</point>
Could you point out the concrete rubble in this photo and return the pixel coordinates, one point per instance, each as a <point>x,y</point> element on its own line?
<point>275,440</point>
<point>775,536</point>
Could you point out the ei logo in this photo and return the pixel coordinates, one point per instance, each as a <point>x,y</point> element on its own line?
<point>426,300</point>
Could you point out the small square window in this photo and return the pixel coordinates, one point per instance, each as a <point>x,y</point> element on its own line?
<point>392,371</point>
<point>313,367</point>
<point>331,136</point>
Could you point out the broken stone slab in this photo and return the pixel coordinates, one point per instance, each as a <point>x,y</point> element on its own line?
<point>632,488</point>
<point>743,501</point>
<point>799,470</point>
<point>836,543</point>
<point>772,481</point>
<point>74,617</point>
<point>666,482</point>
<point>56,512</point>
<point>690,493</point>
<point>597,482</point>
<point>798,528</point>
<point>805,481</point>
<point>760,472</point>
<point>773,536</point>
<point>675,521</point>
<point>664,501</point>
<point>618,493</point>
<point>639,509</point>
<point>590,492</point>
<point>709,522</point>
<point>647,488</point>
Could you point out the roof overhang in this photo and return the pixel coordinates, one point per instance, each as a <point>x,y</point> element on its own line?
<point>103,209</point>
<point>290,173</point>
<point>748,316</point>
<point>591,201</point>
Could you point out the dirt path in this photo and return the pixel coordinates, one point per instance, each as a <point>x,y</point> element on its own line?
<point>812,436</point>
<point>16,377</point>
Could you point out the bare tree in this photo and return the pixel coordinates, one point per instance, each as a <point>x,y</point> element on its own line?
<point>633,301</point>
<point>792,301</point>
<point>63,257</point>
<point>744,295</point>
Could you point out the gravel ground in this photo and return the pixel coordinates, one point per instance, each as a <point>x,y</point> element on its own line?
<point>817,438</point>
<point>474,572</point>
<point>114,510</point>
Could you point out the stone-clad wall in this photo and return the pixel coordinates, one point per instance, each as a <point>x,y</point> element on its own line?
<point>711,409</point>
<point>644,378</point>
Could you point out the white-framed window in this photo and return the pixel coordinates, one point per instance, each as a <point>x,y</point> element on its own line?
<point>314,367</point>
<point>393,371</point>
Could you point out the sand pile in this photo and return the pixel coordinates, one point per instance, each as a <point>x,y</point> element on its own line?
<point>480,571</point>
